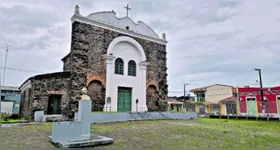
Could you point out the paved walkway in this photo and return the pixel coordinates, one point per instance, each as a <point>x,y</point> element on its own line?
<point>19,124</point>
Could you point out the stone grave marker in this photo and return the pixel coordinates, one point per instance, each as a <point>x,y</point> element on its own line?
<point>77,134</point>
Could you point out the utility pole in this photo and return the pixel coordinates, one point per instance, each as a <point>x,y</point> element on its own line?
<point>261,86</point>
<point>0,89</point>
<point>237,102</point>
<point>185,89</point>
<point>6,59</point>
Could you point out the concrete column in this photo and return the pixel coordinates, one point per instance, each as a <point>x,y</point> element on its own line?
<point>84,114</point>
<point>142,102</point>
<point>109,73</point>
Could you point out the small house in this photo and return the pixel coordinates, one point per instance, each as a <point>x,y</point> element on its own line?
<point>10,100</point>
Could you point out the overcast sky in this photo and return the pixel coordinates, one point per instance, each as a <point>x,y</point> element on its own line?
<point>210,41</point>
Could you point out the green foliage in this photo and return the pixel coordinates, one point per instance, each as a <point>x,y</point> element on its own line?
<point>5,116</point>
<point>27,118</point>
<point>10,121</point>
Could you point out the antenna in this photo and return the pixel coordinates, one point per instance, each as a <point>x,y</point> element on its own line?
<point>5,64</point>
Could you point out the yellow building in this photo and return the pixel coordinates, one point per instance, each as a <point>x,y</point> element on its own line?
<point>175,105</point>
<point>207,98</point>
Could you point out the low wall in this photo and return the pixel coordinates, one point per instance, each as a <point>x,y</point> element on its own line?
<point>108,117</point>
<point>127,116</point>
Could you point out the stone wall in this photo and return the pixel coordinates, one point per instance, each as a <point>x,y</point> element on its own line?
<point>42,86</point>
<point>90,43</point>
<point>66,63</point>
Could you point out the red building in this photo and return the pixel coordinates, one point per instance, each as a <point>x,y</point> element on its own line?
<point>250,103</point>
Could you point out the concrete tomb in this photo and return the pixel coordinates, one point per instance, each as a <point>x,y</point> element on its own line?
<point>77,134</point>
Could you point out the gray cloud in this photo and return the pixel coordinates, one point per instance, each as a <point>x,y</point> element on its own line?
<point>223,38</point>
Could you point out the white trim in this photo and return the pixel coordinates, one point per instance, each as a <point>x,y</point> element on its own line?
<point>119,30</point>
<point>25,85</point>
<point>251,97</point>
<point>129,40</point>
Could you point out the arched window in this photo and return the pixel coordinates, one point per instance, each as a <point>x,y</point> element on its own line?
<point>119,66</point>
<point>131,68</point>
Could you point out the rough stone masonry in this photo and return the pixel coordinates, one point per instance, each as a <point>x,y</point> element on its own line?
<point>85,66</point>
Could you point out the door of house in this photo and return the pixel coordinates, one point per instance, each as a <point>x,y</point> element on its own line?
<point>252,107</point>
<point>124,99</point>
<point>54,104</point>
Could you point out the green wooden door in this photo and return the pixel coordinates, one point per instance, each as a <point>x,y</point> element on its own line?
<point>124,99</point>
<point>54,104</point>
<point>252,107</point>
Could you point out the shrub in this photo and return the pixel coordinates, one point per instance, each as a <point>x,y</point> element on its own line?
<point>27,118</point>
<point>5,116</point>
<point>15,116</point>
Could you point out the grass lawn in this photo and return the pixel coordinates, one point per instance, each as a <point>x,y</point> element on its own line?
<point>202,133</point>
<point>10,121</point>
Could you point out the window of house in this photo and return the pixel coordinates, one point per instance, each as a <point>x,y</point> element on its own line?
<point>200,97</point>
<point>2,97</point>
<point>119,66</point>
<point>131,68</point>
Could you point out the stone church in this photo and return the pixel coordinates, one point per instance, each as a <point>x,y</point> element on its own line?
<point>122,64</point>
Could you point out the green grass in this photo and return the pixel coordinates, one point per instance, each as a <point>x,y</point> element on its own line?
<point>10,121</point>
<point>201,133</point>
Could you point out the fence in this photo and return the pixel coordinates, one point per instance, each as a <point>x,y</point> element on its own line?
<point>264,109</point>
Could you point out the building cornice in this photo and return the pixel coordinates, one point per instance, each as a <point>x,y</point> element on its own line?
<point>82,19</point>
<point>25,85</point>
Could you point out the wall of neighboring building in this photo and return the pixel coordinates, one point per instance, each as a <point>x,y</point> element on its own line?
<point>7,107</point>
<point>13,96</point>
<point>35,95</point>
<point>223,109</point>
<point>216,93</point>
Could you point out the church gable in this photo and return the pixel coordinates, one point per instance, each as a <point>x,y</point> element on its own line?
<point>108,20</point>
<point>127,23</point>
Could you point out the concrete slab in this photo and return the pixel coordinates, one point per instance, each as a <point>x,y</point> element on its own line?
<point>95,140</point>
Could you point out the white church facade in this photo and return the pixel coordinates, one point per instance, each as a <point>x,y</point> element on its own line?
<point>126,75</point>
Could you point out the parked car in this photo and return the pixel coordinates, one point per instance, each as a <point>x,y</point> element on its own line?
<point>215,113</point>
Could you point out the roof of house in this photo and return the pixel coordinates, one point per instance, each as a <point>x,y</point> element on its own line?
<point>171,99</point>
<point>65,57</point>
<point>63,74</point>
<point>9,88</point>
<point>203,89</point>
<point>229,99</point>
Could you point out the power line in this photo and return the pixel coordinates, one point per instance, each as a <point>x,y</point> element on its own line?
<point>21,70</point>
<point>229,75</point>
<point>186,17</point>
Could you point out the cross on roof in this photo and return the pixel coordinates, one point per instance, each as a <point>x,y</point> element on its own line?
<point>127,8</point>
